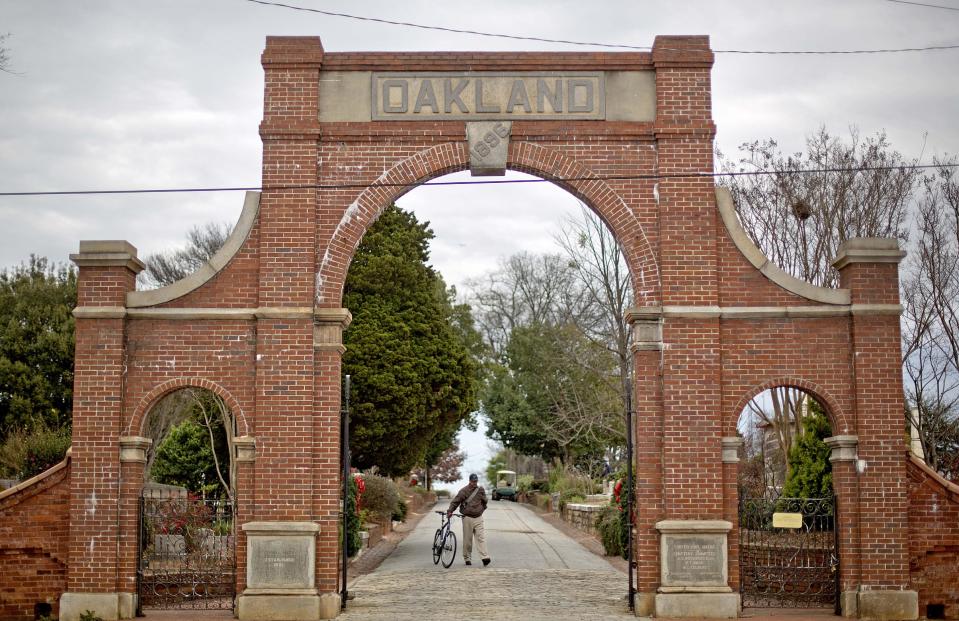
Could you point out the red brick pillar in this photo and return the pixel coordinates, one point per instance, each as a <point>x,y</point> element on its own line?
<point>845,485</point>
<point>692,471</point>
<point>648,450</point>
<point>245,448</point>
<point>107,273</point>
<point>732,447</point>
<point>869,269</point>
<point>290,442</point>
<point>328,349</point>
<point>133,459</point>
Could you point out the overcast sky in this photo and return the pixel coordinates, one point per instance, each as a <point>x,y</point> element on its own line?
<point>168,94</point>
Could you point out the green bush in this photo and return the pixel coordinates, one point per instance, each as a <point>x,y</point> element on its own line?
<point>353,524</point>
<point>443,493</point>
<point>540,485</point>
<point>570,496</point>
<point>610,527</point>
<point>524,483</point>
<point>399,513</point>
<point>381,497</point>
<point>25,454</point>
<point>565,480</point>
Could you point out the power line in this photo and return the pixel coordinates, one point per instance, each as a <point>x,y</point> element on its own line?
<point>347,186</point>
<point>595,44</point>
<point>931,6</point>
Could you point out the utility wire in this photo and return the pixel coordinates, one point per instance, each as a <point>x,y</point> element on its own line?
<point>931,6</point>
<point>415,184</point>
<point>594,44</point>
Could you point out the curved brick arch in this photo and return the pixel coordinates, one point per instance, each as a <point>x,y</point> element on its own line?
<point>135,426</point>
<point>837,416</point>
<point>543,162</point>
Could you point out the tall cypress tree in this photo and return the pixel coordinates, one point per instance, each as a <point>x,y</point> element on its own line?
<point>413,380</point>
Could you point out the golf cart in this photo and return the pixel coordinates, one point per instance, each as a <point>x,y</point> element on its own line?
<point>505,485</point>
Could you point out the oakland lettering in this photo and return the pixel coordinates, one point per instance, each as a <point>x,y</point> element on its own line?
<point>487,96</point>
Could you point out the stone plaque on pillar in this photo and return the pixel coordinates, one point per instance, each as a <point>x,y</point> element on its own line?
<point>280,572</point>
<point>694,570</point>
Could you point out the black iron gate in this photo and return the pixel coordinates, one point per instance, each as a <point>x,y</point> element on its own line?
<point>788,556</point>
<point>186,556</point>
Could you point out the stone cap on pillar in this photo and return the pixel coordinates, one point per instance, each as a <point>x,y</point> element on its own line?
<point>844,448</point>
<point>868,250</point>
<point>245,449</point>
<point>731,448</point>
<point>108,253</point>
<point>134,449</point>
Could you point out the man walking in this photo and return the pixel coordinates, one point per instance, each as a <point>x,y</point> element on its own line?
<point>472,503</point>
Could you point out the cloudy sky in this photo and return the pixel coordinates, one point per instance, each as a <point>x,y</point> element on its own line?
<point>168,94</point>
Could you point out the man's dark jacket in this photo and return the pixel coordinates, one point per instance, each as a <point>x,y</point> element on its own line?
<point>473,508</point>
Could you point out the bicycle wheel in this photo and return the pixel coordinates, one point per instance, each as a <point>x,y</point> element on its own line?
<point>449,549</point>
<point>437,545</point>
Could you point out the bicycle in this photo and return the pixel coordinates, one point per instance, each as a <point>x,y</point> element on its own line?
<point>444,541</point>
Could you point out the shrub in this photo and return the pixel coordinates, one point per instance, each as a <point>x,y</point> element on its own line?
<point>524,483</point>
<point>28,453</point>
<point>353,521</point>
<point>570,496</point>
<point>381,497</point>
<point>610,527</point>
<point>564,480</point>
<point>443,493</point>
<point>540,485</point>
<point>399,513</point>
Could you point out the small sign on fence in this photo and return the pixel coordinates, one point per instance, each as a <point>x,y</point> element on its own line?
<point>787,520</point>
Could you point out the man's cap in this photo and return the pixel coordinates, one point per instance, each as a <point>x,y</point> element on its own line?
<point>473,477</point>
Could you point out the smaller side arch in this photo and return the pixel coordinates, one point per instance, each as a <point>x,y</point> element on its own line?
<point>135,426</point>
<point>838,418</point>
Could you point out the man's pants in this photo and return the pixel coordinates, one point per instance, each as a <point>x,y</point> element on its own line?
<point>474,527</point>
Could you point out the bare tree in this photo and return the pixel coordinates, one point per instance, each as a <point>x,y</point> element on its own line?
<point>860,188</point>
<point>165,268</point>
<point>526,289</point>
<point>777,412</point>
<point>600,267</point>
<point>930,295</point>
<point>5,54</point>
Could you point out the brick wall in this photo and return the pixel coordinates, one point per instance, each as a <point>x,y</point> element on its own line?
<point>933,539</point>
<point>34,538</point>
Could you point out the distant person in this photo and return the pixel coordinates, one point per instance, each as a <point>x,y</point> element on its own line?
<point>472,502</point>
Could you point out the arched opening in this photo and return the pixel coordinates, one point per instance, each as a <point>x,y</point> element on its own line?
<point>540,355</point>
<point>788,515</point>
<point>187,531</point>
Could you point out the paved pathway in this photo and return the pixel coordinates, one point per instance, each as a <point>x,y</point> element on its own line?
<point>537,573</point>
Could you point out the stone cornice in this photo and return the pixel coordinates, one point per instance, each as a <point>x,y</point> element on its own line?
<point>653,313</point>
<point>108,253</point>
<point>868,250</point>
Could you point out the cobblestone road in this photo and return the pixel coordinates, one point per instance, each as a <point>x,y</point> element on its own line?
<point>538,573</point>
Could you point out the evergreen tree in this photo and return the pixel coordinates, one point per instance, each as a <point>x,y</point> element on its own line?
<point>810,474</point>
<point>36,345</point>
<point>413,379</point>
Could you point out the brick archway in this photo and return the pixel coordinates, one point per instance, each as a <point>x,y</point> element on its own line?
<point>446,158</point>
<point>135,426</point>
<point>837,418</point>
<point>630,134</point>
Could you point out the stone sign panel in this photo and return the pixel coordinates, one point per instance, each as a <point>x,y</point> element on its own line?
<point>694,560</point>
<point>363,96</point>
<point>694,555</point>
<point>486,95</point>
<point>281,555</point>
<point>280,562</point>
